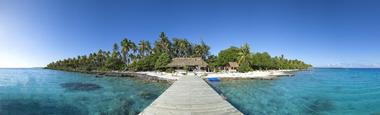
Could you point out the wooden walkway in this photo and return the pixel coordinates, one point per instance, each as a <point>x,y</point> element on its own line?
<point>190,95</point>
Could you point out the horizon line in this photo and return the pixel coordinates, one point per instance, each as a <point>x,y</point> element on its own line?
<point>311,67</point>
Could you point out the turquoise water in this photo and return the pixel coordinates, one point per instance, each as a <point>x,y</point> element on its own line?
<point>318,91</point>
<point>41,91</point>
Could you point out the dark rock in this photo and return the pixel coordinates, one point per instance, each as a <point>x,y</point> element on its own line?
<point>320,105</point>
<point>77,86</point>
<point>126,108</point>
<point>148,95</point>
<point>33,107</point>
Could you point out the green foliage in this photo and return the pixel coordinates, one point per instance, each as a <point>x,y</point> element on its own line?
<point>144,48</point>
<point>212,62</point>
<point>256,61</point>
<point>244,53</point>
<point>181,47</point>
<point>145,58</point>
<point>163,44</point>
<point>146,64</point>
<point>162,61</point>
<point>126,47</point>
<point>228,55</point>
<point>114,62</point>
<point>201,50</point>
<point>95,61</point>
<point>245,67</point>
<point>262,61</point>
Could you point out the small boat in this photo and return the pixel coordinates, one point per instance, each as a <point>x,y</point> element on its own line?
<point>213,79</point>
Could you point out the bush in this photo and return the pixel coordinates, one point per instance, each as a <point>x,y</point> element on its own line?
<point>146,64</point>
<point>162,61</point>
<point>245,67</point>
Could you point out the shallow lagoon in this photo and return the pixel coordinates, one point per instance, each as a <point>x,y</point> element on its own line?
<point>41,91</point>
<point>319,91</point>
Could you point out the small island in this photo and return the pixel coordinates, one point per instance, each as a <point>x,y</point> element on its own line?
<point>189,57</point>
<point>184,65</point>
<point>170,59</point>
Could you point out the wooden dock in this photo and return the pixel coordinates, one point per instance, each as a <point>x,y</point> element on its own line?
<point>190,95</point>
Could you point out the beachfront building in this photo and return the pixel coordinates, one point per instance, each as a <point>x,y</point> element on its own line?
<point>231,67</point>
<point>188,64</point>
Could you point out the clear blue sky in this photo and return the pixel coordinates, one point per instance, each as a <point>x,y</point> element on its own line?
<point>320,32</point>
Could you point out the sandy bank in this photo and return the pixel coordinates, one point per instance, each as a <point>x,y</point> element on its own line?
<point>270,74</point>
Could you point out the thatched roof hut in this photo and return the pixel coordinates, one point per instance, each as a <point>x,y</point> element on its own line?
<point>231,67</point>
<point>182,62</point>
<point>233,64</point>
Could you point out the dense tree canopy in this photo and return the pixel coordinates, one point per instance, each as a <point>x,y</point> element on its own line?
<point>143,57</point>
<point>127,46</point>
<point>163,44</point>
<point>249,61</point>
<point>162,61</point>
<point>201,50</point>
<point>144,48</point>
<point>228,55</point>
<point>182,48</point>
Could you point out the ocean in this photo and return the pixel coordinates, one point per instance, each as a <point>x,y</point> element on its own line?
<point>43,91</point>
<point>320,91</point>
<point>317,91</point>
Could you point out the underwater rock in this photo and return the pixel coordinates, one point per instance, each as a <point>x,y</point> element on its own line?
<point>321,105</point>
<point>34,107</point>
<point>98,76</point>
<point>80,86</point>
<point>148,95</point>
<point>126,108</point>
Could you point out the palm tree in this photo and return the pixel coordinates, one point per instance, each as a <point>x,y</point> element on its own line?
<point>244,53</point>
<point>133,57</point>
<point>127,45</point>
<point>134,49</point>
<point>144,48</point>
<point>115,51</point>
<point>163,44</point>
<point>100,59</point>
<point>182,47</point>
<point>201,50</point>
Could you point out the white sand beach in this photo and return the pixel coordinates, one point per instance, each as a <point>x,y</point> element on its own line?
<point>268,74</point>
<point>164,75</point>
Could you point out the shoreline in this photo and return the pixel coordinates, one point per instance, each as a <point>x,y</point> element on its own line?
<point>144,77</point>
<point>260,75</point>
<point>156,76</point>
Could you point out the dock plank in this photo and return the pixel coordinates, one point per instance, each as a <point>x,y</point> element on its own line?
<point>190,95</point>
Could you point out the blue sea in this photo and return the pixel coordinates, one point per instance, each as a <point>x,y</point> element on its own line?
<point>317,91</point>
<point>51,92</point>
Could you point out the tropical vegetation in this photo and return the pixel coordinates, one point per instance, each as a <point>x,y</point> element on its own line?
<point>129,56</point>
